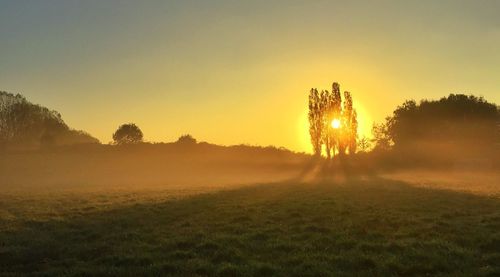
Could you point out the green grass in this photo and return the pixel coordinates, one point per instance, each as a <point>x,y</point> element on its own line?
<point>372,227</point>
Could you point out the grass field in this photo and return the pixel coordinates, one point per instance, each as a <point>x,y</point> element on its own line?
<point>359,227</point>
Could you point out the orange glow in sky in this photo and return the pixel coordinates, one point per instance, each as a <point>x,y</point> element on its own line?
<point>243,67</point>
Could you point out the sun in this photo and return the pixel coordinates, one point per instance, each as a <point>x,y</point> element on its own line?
<point>335,123</point>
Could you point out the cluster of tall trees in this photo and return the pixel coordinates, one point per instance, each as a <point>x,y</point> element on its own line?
<point>27,125</point>
<point>333,122</point>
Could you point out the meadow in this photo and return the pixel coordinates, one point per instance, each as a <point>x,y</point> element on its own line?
<point>363,226</point>
<point>249,138</point>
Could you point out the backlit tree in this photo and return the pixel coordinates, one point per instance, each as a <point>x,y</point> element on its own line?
<point>349,127</point>
<point>333,110</point>
<point>315,121</point>
<point>330,123</point>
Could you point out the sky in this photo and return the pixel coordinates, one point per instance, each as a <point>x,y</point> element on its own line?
<point>239,72</point>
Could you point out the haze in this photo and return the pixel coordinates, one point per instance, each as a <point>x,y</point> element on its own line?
<point>232,72</point>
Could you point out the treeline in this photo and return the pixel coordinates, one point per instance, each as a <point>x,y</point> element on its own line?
<point>455,129</point>
<point>457,119</point>
<point>461,123</point>
<point>27,125</point>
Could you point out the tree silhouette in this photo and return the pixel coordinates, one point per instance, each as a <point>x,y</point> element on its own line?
<point>324,108</point>
<point>23,124</point>
<point>381,136</point>
<point>186,139</point>
<point>364,144</point>
<point>128,134</point>
<point>353,132</point>
<point>455,119</point>
<point>349,126</point>
<point>316,123</point>
<point>332,111</point>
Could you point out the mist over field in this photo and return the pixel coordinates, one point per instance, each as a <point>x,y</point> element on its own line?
<point>208,166</point>
<point>147,166</point>
<point>258,213</point>
<point>421,198</point>
<point>207,210</point>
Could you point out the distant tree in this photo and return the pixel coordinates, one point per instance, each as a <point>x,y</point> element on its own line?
<point>381,136</point>
<point>186,139</point>
<point>452,119</point>
<point>7,100</point>
<point>27,123</point>
<point>23,124</point>
<point>364,144</point>
<point>128,134</point>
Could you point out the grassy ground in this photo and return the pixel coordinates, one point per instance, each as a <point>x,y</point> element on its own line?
<point>370,227</point>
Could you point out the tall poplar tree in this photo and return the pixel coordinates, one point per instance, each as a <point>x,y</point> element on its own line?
<point>315,120</point>
<point>335,114</point>
<point>349,126</point>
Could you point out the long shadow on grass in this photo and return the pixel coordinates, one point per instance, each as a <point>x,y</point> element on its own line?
<point>362,227</point>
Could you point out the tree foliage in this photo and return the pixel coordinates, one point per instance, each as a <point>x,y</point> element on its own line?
<point>453,119</point>
<point>324,108</point>
<point>23,124</point>
<point>349,126</point>
<point>186,140</point>
<point>364,144</point>
<point>381,135</point>
<point>316,124</point>
<point>128,134</point>
<point>332,110</point>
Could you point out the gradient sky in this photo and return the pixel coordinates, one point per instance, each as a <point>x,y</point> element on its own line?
<point>231,72</point>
